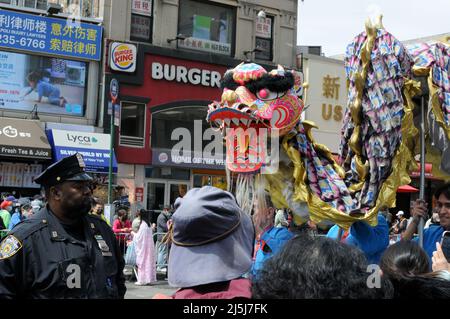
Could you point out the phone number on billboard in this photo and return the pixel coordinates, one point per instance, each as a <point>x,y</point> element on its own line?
<point>24,42</point>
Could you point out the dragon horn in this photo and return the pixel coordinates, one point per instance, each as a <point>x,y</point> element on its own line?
<point>379,22</point>
<point>238,66</point>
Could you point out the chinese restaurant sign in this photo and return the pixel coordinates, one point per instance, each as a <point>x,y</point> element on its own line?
<point>58,37</point>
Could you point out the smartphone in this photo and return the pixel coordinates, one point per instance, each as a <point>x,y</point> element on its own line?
<point>445,244</point>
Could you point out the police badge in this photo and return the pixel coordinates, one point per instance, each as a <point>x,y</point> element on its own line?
<point>9,247</point>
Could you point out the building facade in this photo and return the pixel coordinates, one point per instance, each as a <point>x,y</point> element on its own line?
<point>50,60</point>
<point>168,57</point>
<point>183,48</point>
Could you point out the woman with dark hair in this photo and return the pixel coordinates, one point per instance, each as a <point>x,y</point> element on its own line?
<point>145,250</point>
<point>122,227</point>
<point>318,268</point>
<point>407,266</point>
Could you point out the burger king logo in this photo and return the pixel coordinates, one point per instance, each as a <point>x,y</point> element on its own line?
<point>123,57</point>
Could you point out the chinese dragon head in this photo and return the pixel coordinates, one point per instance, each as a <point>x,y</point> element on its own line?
<point>255,99</point>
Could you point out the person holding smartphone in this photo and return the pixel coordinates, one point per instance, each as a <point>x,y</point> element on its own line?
<point>435,233</point>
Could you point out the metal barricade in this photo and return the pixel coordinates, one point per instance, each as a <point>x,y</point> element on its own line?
<point>158,247</point>
<point>124,240</point>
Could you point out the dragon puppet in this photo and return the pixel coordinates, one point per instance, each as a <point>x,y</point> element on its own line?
<point>378,140</point>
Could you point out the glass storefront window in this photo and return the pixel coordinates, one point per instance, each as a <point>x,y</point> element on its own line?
<point>208,27</point>
<point>141,28</point>
<point>165,122</point>
<point>210,180</point>
<point>264,38</point>
<point>168,173</point>
<point>132,123</point>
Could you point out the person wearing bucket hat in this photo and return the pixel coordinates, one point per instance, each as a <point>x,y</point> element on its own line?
<point>62,251</point>
<point>212,246</point>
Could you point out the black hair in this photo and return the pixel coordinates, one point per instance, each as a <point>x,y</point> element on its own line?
<point>145,216</point>
<point>318,268</point>
<point>275,83</point>
<point>443,190</point>
<point>34,76</point>
<point>228,82</point>
<point>404,258</point>
<point>407,266</point>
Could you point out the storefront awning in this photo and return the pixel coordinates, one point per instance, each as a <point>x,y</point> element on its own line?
<point>23,139</point>
<point>407,189</point>
<point>94,148</point>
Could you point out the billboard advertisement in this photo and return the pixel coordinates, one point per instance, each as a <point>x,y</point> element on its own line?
<point>44,84</point>
<point>60,37</point>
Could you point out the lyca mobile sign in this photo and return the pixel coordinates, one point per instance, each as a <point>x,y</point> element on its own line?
<point>123,57</point>
<point>182,74</point>
<point>81,140</point>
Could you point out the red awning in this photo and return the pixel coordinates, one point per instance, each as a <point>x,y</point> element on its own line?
<point>407,189</point>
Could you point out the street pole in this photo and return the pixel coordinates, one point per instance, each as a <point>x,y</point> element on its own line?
<point>422,166</point>
<point>111,152</point>
<point>114,94</point>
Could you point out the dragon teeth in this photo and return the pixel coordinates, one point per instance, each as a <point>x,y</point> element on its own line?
<point>227,122</point>
<point>245,121</point>
<point>236,121</point>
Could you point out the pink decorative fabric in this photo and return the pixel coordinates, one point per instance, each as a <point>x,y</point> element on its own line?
<point>145,254</point>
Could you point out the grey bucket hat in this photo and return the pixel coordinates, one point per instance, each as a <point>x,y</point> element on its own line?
<point>212,239</point>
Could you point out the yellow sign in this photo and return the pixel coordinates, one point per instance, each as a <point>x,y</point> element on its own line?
<point>330,87</point>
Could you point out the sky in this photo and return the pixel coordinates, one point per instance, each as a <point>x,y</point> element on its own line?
<point>333,24</point>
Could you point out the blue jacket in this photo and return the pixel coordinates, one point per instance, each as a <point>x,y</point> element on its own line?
<point>431,236</point>
<point>271,242</point>
<point>371,240</point>
<point>15,219</point>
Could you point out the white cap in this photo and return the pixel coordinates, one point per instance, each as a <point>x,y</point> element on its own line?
<point>400,213</point>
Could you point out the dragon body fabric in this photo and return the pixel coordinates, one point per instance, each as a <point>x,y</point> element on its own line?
<point>377,144</point>
<point>433,61</point>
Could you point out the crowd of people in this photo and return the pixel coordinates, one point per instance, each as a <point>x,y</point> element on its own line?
<point>294,262</point>
<point>239,257</point>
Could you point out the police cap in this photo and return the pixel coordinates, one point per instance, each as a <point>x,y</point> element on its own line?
<point>67,169</point>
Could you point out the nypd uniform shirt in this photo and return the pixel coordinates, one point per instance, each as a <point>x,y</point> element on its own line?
<point>39,259</point>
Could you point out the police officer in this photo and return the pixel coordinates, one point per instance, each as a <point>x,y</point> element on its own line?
<point>62,252</point>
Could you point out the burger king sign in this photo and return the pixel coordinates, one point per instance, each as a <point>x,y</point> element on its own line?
<point>122,57</point>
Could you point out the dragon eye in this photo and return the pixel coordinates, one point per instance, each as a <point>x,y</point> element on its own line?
<point>266,95</point>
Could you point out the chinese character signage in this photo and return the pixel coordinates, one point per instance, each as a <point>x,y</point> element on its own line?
<point>50,35</point>
<point>44,84</point>
<point>140,27</point>
<point>143,7</point>
<point>206,45</point>
<point>263,28</point>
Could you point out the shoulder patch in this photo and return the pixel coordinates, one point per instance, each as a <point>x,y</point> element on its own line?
<point>9,246</point>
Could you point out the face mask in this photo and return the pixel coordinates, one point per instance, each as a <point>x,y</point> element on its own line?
<point>9,208</point>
